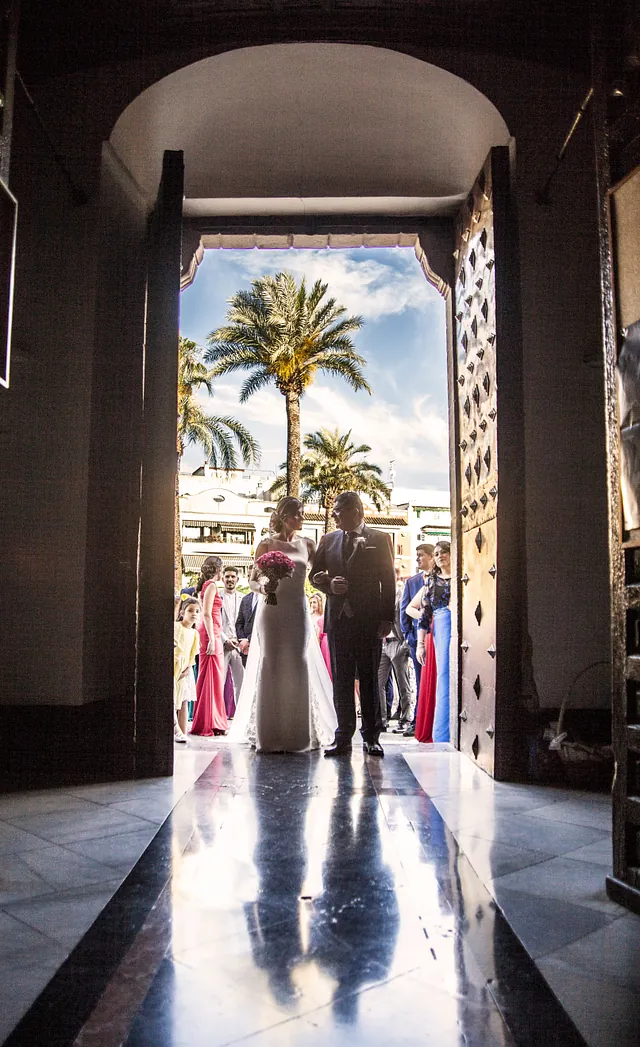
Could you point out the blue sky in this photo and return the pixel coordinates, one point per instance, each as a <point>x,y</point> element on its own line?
<point>403,340</point>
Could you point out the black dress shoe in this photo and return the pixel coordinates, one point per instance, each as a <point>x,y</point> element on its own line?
<point>338,750</point>
<point>373,749</point>
<point>410,732</point>
<point>401,728</point>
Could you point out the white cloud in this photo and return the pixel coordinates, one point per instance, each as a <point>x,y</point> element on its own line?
<point>368,288</point>
<point>413,430</point>
<point>414,435</point>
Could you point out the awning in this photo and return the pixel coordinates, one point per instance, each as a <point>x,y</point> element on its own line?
<point>193,561</point>
<point>373,521</point>
<point>241,525</point>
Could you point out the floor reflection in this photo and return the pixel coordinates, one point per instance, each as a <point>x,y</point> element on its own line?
<point>280,860</point>
<point>323,902</point>
<point>358,901</point>
<point>337,931</point>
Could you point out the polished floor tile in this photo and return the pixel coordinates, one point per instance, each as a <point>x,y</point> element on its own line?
<point>118,852</point>
<point>14,840</point>
<point>338,895</point>
<point>613,952</point>
<point>16,805</point>
<point>534,834</point>
<point>578,812</point>
<point>154,808</point>
<point>17,937</point>
<point>47,869</point>
<point>545,924</point>
<point>599,853</point>
<point>66,916</point>
<point>23,976</point>
<point>463,810</point>
<point>608,1015</point>
<point>577,883</point>
<point>70,826</point>
<point>492,858</point>
<point>295,901</point>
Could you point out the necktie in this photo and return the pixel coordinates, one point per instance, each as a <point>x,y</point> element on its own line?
<point>349,543</point>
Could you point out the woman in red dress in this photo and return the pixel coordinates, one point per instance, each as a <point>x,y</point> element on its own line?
<point>209,715</point>
<point>427,699</point>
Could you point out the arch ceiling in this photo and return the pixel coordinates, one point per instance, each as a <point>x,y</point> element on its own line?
<point>320,127</point>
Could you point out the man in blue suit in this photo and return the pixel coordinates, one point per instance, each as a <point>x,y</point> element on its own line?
<point>413,585</point>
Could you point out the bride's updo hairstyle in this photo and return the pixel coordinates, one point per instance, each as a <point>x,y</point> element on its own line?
<point>287,506</point>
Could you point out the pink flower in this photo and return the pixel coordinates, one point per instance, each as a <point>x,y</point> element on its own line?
<point>275,566</point>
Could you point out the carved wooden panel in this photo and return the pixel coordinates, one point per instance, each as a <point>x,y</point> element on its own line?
<point>477,372</point>
<point>624,428</point>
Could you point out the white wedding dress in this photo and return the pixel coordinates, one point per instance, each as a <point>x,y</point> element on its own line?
<point>286,701</point>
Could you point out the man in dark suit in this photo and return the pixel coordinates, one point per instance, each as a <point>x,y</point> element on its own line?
<point>413,585</point>
<point>354,567</point>
<point>244,623</point>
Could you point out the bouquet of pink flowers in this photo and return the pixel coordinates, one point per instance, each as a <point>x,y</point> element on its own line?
<point>274,566</point>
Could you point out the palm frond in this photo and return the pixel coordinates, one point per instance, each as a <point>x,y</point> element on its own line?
<point>258,380</point>
<point>247,444</point>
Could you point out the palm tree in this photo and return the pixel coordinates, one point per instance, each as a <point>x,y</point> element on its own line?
<point>216,434</point>
<point>282,335</point>
<point>330,466</point>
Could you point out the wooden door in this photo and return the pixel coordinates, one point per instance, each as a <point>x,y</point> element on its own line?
<point>490,470</point>
<point>154,647</point>
<point>623,394</point>
<point>113,502</point>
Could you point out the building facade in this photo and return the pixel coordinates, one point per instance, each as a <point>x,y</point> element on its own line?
<point>227,514</point>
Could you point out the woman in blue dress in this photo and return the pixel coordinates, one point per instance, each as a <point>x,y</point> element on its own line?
<point>431,607</point>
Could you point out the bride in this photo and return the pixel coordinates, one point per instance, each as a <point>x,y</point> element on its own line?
<point>286,700</point>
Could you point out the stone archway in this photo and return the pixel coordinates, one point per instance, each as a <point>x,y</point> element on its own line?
<point>404,152</point>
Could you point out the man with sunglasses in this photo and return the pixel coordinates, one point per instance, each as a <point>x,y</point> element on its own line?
<point>354,567</point>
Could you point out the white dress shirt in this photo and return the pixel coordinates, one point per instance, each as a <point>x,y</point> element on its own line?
<point>230,608</point>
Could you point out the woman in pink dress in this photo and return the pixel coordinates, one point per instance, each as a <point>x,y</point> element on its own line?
<point>317,617</point>
<point>209,715</point>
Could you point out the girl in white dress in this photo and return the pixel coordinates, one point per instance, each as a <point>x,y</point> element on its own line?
<point>286,701</point>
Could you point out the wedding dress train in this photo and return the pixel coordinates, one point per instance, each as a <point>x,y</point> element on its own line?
<point>286,700</point>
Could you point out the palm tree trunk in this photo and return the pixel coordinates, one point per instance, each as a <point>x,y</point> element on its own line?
<point>329,522</point>
<point>293,444</point>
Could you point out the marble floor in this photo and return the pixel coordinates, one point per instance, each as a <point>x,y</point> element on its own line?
<point>543,854</point>
<point>63,855</point>
<point>292,900</point>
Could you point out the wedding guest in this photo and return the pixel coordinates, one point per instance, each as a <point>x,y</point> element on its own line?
<point>413,586</point>
<point>185,649</point>
<point>231,600</point>
<point>316,606</point>
<point>209,715</point>
<point>396,657</point>
<point>244,623</point>
<point>430,608</point>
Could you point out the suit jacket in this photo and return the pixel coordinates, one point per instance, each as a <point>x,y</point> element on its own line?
<point>229,618</point>
<point>409,625</point>
<point>246,617</point>
<point>396,625</point>
<point>372,583</point>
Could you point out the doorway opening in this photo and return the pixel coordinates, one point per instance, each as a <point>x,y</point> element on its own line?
<point>403,158</point>
<point>399,433</point>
